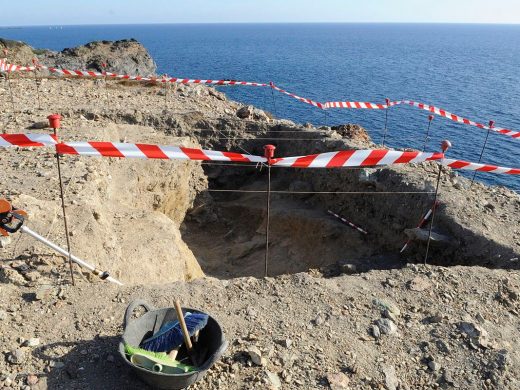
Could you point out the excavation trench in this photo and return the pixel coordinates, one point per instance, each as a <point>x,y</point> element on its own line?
<point>225,231</point>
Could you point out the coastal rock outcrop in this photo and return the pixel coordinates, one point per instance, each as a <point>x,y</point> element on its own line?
<point>18,52</point>
<point>125,56</point>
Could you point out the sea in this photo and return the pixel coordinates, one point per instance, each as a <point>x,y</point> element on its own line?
<point>469,70</point>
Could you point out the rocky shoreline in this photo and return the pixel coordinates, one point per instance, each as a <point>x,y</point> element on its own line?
<point>345,311</point>
<point>126,56</point>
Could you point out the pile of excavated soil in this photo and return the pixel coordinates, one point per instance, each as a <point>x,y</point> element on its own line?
<point>152,223</point>
<point>123,215</point>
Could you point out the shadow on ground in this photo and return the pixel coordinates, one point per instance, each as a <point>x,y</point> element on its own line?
<point>86,364</point>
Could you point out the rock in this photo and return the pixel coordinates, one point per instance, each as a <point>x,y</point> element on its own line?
<point>273,380</point>
<point>244,112</point>
<point>434,319</point>
<point>391,381</point>
<point>388,306</point>
<point>3,315</point>
<point>44,292</point>
<point>286,343</point>
<point>353,132</point>
<point>386,326</point>
<point>421,235</point>
<point>125,56</point>
<point>391,316</point>
<point>433,365</point>
<point>375,331</point>
<point>5,241</point>
<point>16,356</point>
<point>419,284</point>
<point>32,276</point>
<point>347,268</point>
<point>32,342</point>
<point>32,379</point>
<point>11,276</point>
<point>256,356</point>
<point>391,282</point>
<point>38,125</point>
<point>442,346</point>
<point>338,381</point>
<point>477,335</point>
<point>319,320</point>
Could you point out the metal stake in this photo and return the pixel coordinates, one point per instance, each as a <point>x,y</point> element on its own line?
<point>430,119</point>
<point>445,146</point>
<point>8,79</point>
<point>269,154</point>
<point>491,125</point>
<point>104,65</point>
<point>166,87</point>
<point>54,121</point>
<point>37,80</point>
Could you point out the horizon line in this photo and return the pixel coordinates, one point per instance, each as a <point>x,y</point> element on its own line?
<point>260,22</point>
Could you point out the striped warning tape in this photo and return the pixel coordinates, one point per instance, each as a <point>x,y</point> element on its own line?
<point>356,158</point>
<point>339,159</point>
<point>5,67</point>
<point>148,151</point>
<point>10,68</point>
<point>27,140</point>
<point>461,164</point>
<point>301,99</point>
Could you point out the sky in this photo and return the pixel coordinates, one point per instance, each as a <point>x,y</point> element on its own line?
<point>60,12</point>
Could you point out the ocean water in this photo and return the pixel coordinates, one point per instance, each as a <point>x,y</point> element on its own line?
<point>470,70</point>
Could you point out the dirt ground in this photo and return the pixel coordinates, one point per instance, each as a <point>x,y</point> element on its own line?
<point>340,310</point>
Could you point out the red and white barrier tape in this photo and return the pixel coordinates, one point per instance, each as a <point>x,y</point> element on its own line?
<point>89,73</point>
<point>457,118</point>
<point>5,67</point>
<point>147,151</point>
<point>461,164</point>
<point>27,140</point>
<point>377,106</point>
<point>356,158</point>
<point>301,99</point>
<point>345,158</point>
<point>10,68</point>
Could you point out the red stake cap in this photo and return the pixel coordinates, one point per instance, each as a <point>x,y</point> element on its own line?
<point>491,124</point>
<point>271,83</point>
<point>269,151</point>
<point>430,118</point>
<point>54,121</point>
<point>387,101</point>
<point>445,145</point>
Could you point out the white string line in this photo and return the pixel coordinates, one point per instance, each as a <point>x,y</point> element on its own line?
<point>323,192</point>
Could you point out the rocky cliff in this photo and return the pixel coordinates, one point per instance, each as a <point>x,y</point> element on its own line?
<point>125,56</point>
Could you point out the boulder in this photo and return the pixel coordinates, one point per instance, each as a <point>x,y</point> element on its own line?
<point>352,132</point>
<point>126,56</point>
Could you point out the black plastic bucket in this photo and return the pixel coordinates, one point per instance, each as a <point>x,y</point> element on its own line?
<point>210,346</point>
